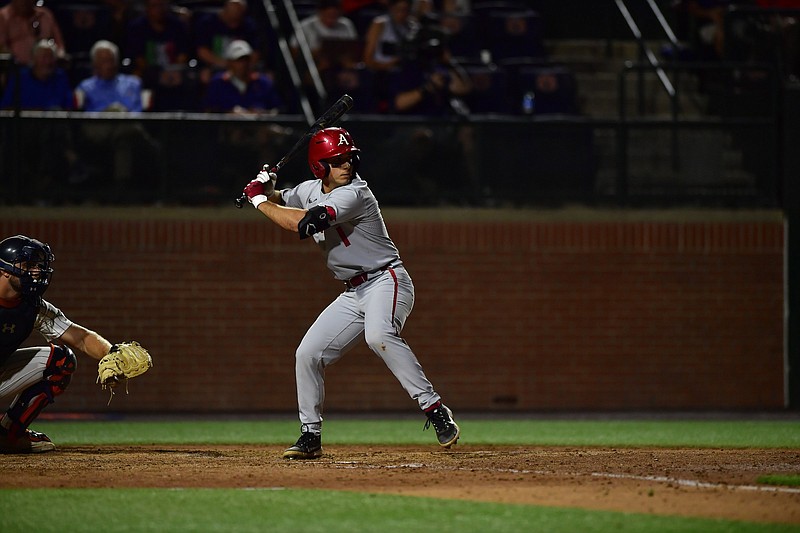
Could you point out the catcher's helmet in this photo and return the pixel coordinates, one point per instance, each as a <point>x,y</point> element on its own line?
<point>327,144</point>
<point>29,260</point>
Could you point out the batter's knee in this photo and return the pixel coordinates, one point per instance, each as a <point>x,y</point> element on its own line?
<point>60,367</point>
<point>377,339</point>
<point>306,357</point>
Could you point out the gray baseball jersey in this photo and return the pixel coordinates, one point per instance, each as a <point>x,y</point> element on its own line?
<point>357,241</point>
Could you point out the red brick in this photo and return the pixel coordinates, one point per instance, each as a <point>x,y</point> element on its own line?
<point>516,315</point>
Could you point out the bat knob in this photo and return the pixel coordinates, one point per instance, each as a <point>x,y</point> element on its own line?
<point>239,202</point>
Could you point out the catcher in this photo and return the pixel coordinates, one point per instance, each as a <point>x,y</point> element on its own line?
<point>31,378</point>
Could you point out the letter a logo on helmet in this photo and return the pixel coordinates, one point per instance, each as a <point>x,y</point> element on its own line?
<point>327,144</point>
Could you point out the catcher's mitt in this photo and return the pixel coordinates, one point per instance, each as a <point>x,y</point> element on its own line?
<point>124,361</point>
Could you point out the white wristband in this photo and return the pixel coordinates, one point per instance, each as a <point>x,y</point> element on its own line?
<point>258,200</point>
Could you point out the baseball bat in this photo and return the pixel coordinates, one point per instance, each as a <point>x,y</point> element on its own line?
<point>328,118</point>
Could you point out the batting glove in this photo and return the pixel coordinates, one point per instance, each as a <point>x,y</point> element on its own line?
<point>260,189</point>
<point>268,179</point>
<point>255,193</point>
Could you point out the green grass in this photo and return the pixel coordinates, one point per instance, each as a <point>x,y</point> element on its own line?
<point>775,479</point>
<point>309,511</point>
<point>632,433</point>
<point>299,511</point>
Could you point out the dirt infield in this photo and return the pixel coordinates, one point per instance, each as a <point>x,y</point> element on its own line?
<point>688,482</point>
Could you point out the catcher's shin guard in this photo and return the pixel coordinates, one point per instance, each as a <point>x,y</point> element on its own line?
<point>57,375</point>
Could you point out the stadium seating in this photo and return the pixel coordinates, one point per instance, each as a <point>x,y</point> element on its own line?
<point>514,34</point>
<point>490,89</point>
<point>553,88</point>
<point>462,37</point>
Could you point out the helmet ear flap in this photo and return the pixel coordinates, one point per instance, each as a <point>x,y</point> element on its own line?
<point>320,169</point>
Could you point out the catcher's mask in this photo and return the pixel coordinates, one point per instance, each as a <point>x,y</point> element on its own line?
<point>29,260</point>
<point>327,144</point>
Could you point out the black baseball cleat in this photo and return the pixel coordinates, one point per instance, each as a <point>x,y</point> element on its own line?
<point>308,446</point>
<point>29,442</point>
<point>447,431</point>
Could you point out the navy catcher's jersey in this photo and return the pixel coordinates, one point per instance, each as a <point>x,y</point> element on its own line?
<point>19,321</point>
<point>16,325</point>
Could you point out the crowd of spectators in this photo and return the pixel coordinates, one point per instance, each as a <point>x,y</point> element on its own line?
<point>176,51</point>
<point>179,49</point>
<point>135,56</point>
<point>433,58</point>
<point>464,54</point>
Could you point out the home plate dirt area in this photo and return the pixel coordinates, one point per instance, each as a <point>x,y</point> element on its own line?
<point>709,483</point>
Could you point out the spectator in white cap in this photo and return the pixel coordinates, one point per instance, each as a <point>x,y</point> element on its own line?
<point>238,49</point>
<point>240,89</point>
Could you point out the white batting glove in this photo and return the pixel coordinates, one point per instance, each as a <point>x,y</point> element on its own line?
<point>268,179</point>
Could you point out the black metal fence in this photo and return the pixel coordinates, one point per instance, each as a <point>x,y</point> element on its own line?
<point>201,159</point>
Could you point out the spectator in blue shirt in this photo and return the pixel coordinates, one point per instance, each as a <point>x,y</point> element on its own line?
<point>44,150</point>
<point>239,89</point>
<point>123,145</point>
<point>108,90</point>
<point>42,85</point>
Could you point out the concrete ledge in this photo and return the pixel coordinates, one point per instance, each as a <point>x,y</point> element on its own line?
<point>571,214</point>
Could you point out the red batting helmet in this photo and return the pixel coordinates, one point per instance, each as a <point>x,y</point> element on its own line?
<point>327,144</point>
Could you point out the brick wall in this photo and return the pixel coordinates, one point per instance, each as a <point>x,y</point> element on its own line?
<point>512,312</point>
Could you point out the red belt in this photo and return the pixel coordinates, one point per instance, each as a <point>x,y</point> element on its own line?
<point>355,281</point>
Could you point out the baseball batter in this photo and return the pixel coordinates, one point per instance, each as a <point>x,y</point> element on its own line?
<point>31,378</point>
<point>339,212</point>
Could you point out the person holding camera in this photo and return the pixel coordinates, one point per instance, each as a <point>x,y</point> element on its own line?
<point>429,81</point>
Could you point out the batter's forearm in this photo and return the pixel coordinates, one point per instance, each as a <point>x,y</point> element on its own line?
<point>286,217</point>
